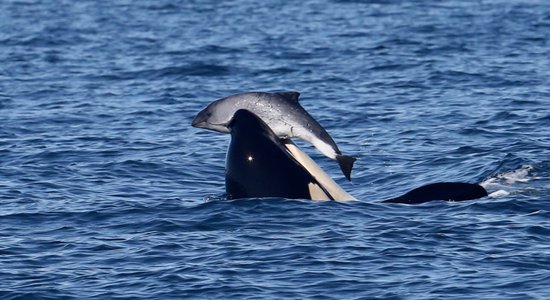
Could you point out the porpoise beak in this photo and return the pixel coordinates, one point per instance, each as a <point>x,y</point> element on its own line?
<point>202,120</point>
<point>199,121</point>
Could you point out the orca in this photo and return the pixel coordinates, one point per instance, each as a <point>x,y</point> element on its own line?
<point>449,191</point>
<point>282,113</point>
<point>260,164</point>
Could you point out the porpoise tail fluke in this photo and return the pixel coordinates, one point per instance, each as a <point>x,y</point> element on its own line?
<point>346,164</point>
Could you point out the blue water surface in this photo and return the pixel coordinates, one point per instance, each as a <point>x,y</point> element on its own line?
<point>106,191</point>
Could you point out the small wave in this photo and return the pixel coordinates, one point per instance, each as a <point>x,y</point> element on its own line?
<point>177,72</point>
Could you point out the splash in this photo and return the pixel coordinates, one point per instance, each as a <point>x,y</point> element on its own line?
<point>502,183</point>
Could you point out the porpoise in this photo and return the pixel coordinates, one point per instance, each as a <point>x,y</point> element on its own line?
<point>282,113</point>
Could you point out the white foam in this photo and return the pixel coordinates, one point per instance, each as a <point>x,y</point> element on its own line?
<point>499,193</point>
<point>520,175</point>
<point>503,182</point>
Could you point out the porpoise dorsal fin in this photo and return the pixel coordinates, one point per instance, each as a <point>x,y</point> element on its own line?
<point>292,95</point>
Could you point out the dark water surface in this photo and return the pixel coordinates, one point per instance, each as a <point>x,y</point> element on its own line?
<point>108,192</point>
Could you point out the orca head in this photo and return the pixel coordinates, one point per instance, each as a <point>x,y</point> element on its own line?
<point>259,165</point>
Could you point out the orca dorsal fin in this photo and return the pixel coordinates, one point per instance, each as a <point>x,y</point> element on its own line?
<point>292,95</point>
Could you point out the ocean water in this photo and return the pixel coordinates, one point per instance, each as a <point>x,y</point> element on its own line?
<point>106,191</point>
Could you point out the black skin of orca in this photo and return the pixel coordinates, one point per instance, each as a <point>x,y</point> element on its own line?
<point>449,191</point>
<point>258,165</point>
